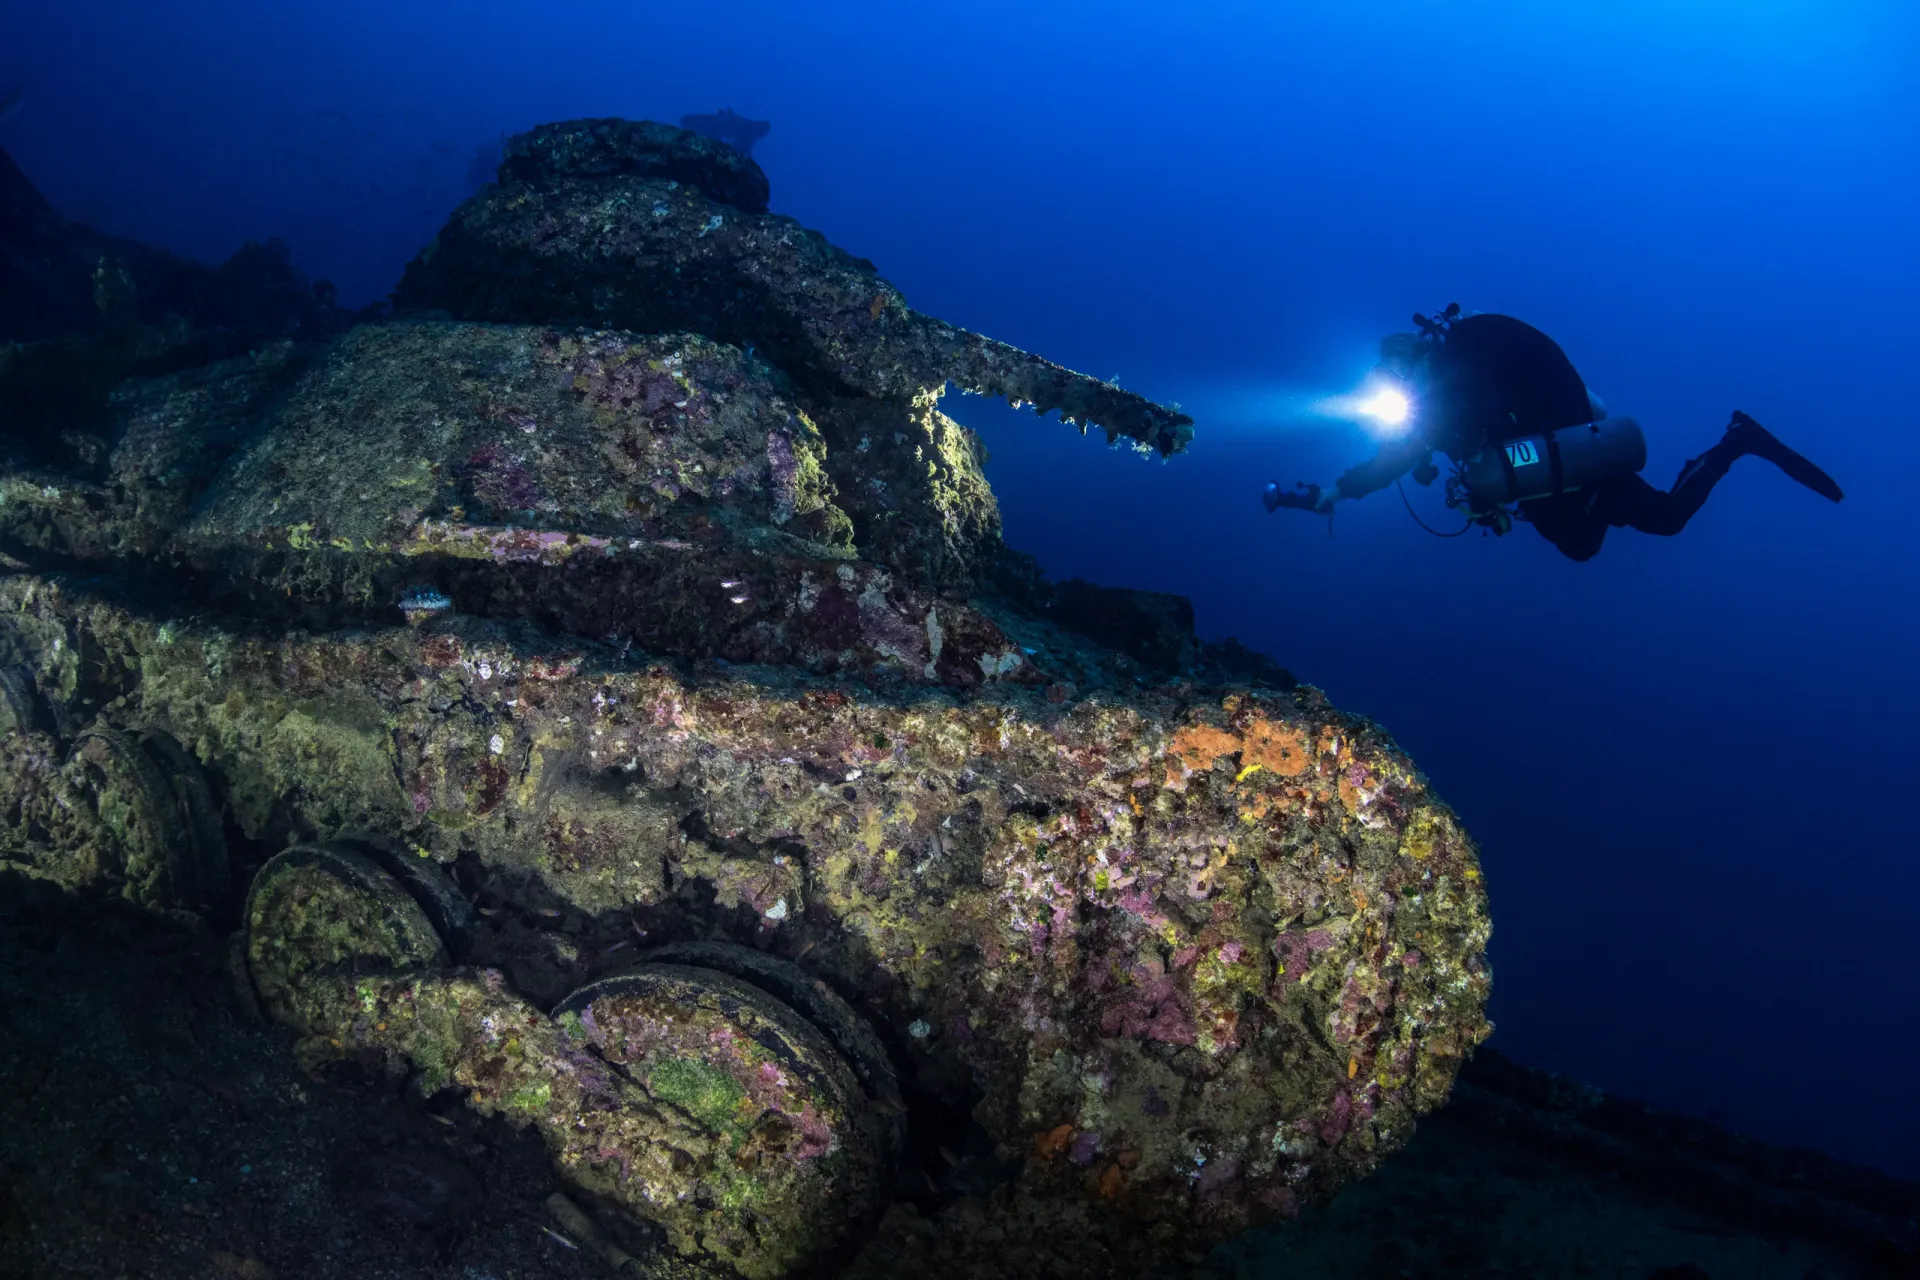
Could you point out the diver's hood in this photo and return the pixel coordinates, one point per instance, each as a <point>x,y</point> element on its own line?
<point>1401,353</point>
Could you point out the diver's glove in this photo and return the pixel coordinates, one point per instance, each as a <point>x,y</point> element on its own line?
<point>1302,497</point>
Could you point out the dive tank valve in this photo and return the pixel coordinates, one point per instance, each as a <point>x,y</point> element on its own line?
<point>1549,463</point>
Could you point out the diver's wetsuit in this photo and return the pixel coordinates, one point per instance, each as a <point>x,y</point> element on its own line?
<point>1496,378</point>
<point>1577,522</point>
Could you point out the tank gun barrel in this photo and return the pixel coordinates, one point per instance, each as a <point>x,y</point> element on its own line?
<point>983,366</point>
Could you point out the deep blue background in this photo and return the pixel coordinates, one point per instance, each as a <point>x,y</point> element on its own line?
<point>1691,762</point>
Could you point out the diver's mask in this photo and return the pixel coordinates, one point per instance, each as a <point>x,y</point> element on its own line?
<point>1399,383</point>
<point>1403,356</point>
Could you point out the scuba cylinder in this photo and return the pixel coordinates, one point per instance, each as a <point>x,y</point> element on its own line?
<point>1549,463</point>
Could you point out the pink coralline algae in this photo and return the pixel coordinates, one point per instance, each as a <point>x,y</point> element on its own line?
<point>1150,1007</point>
<point>1364,1001</point>
<point>507,544</point>
<point>816,1137</point>
<point>499,479</point>
<point>611,374</point>
<point>1295,952</point>
<point>785,468</point>
<point>1333,1125</point>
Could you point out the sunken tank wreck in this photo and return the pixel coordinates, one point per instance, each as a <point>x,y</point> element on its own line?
<point>601,690</point>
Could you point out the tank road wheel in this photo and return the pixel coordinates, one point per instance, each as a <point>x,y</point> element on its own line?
<point>17,711</point>
<point>322,911</point>
<point>198,814</point>
<point>157,819</point>
<point>426,882</point>
<point>820,1005</point>
<point>685,1096</point>
<point>760,1146</point>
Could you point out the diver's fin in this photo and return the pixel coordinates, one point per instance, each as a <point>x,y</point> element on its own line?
<point>1809,475</point>
<point>1761,443</point>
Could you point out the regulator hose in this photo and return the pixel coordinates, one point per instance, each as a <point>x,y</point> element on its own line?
<point>1402,487</point>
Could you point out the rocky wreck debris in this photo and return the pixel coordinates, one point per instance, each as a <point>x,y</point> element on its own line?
<point>728,126</point>
<point>81,311</point>
<point>1688,1160</point>
<point>730,807</point>
<point>60,278</point>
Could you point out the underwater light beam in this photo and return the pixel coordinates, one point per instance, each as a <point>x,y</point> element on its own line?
<point>1384,409</point>
<point>1387,406</point>
<point>1381,407</point>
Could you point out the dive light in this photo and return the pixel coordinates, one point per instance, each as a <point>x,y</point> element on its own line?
<point>1382,405</point>
<point>1388,406</point>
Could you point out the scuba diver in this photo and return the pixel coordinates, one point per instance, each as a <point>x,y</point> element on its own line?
<point>1527,440</point>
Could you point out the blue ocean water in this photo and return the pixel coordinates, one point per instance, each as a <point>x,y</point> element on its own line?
<point>1690,761</point>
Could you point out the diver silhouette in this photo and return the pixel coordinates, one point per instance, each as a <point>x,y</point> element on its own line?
<point>1528,440</point>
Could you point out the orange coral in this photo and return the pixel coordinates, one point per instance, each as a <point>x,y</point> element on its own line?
<point>1278,748</point>
<point>1197,747</point>
<point>1263,745</point>
<point>1349,795</point>
<point>1053,1141</point>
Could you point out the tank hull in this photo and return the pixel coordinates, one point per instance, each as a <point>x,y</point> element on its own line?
<point>646,734</point>
<point>1119,944</point>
